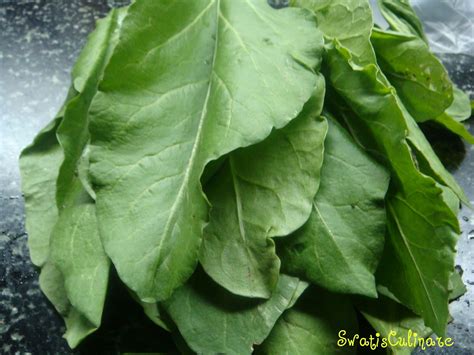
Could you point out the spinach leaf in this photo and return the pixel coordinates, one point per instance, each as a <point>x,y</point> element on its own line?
<point>391,319</point>
<point>212,320</point>
<point>73,132</point>
<point>313,326</point>
<point>77,267</point>
<point>280,173</point>
<point>419,218</point>
<point>421,80</point>
<point>456,286</point>
<point>39,166</point>
<point>460,110</point>
<point>193,132</point>
<point>455,126</point>
<point>347,20</point>
<point>52,285</point>
<point>401,17</point>
<point>340,246</point>
<point>187,84</point>
<point>77,254</point>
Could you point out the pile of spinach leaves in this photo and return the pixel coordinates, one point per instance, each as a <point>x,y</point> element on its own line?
<point>258,178</point>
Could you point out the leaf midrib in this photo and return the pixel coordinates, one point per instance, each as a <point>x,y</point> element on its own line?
<point>412,257</point>
<point>192,159</point>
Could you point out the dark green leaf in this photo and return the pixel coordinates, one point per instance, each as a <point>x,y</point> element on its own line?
<point>419,217</point>
<point>188,83</point>
<point>392,321</point>
<point>340,246</point>
<point>313,326</point>
<point>212,320</point>
<point>401,17</point>
<point>421,80</point>
<point>280,174</point>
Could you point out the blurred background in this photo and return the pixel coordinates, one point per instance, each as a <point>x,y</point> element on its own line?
<point>39,41</point>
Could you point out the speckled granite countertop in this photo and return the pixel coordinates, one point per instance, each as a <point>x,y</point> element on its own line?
<point>39,41</point>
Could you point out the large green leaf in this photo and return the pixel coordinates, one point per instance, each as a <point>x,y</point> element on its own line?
<point>313,326</point>
<point>421,80</point>
<point>401,17</point>
<point>371,110</point>
<point>76,270</point>
<point>212,320</point>
<point>40,161</point>
<point>426,250</point>
<point>188,83</point>
<point>419,279</point>
<point>340,246</point>
<point>263,191</point>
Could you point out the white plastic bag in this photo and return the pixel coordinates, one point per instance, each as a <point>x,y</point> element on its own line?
<point>449,24</point>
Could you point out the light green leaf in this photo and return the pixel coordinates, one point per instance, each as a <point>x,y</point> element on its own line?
<point>76,272</point>
<point>73,132</point>
<point>392,321</point>
<point>52,285</point>
<point>401,17</point>
<point>212,320</point>
<point>340,246</point>
<point>427,160</point>
<point>455,126</point>
<point>312,326</point>
<point>77,252</point>
<point>40,162</point>
<point>460,109</point>
<point>421,80</point>
<point>245,69</point>
<point>456,286</point>
<point>39,166</point>
<point>333,21</point>
<point>155,312</point>
<point>281,174</point>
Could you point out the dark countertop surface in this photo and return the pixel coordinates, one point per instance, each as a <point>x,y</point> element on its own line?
<point>39,41</point>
